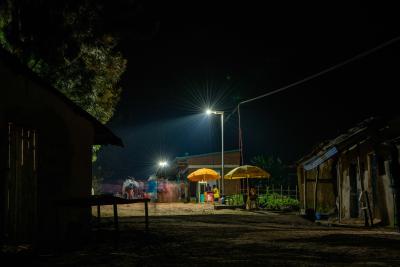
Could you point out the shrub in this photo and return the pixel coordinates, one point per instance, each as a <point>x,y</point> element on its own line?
<point>275,202</point>
<point>235,200</point>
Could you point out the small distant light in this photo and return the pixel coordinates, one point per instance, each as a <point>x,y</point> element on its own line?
<point>163,163</point>
<point>208,111</point>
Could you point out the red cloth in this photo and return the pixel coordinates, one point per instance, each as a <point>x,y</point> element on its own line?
<point>210,197</point>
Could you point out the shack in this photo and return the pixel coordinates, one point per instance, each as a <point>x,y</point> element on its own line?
<point>45,156</point>
<point>355,176</point>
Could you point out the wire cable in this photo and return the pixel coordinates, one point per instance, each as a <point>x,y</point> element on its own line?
<point>334,67</point>
<point>306,79</point>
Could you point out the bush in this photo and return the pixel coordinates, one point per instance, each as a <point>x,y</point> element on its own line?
<point>275,202</point>
<point>234,200</point>
<point>267,201</point>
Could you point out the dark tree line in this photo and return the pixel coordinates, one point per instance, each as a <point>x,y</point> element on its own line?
<point>74,45</point>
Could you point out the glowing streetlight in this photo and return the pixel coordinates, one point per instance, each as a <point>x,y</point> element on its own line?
<point>209,112</point>
<point>163,164</point>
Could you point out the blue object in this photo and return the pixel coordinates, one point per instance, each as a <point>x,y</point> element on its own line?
<point>317,160</point>
<point>201,198</point>
<point>318,216</point>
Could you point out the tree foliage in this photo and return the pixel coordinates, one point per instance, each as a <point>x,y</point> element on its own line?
<point>68,44</point>
<point>274,165</point>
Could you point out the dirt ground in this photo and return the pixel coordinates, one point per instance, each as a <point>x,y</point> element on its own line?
<point>197,235</point>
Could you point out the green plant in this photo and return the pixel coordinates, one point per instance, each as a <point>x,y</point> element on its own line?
<point>235,200</point>
<point>276,202</point>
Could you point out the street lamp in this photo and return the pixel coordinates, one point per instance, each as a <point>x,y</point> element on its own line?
<point>209,112</point>
<point>162,165</point>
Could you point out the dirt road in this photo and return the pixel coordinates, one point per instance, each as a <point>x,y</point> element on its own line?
<point>197,235</point>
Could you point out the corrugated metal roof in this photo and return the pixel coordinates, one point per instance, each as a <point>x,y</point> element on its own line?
<point>328,149</point>
<point>317,160</point>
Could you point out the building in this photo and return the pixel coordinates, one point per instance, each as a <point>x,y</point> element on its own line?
<point>45,156</point>
<point>181,167</point>
<point>355,175</point>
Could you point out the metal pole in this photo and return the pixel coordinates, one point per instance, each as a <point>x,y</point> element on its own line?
<point>222,154</point>
<point>240,136</point>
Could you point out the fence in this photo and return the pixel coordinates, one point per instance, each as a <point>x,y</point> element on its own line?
<point>281,190</point>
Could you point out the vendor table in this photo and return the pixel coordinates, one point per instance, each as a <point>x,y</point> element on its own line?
<point>101,200</point>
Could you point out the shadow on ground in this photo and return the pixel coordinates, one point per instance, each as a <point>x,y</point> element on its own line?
<point>224,240</point>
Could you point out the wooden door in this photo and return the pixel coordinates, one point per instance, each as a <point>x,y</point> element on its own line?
<point>21,186</point>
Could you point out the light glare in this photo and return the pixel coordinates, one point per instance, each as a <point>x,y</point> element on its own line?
<point>163,164</point>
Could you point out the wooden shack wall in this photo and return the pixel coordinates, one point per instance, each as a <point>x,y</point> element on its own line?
<point>371,176</point>
<point>378,187</point>
<point>64,150</point>
<point>326,188</point>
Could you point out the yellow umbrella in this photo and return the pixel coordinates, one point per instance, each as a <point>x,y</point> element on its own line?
<point>203,174</point>
<point>247,171</point>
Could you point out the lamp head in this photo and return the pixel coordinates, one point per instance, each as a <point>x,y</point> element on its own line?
<point>163,164</point>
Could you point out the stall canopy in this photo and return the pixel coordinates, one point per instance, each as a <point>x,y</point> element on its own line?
<point>203,174</point>
<point>247,171</point>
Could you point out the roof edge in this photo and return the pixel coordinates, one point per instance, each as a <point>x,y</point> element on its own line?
<point>207,154</point>
<point>103,135</point>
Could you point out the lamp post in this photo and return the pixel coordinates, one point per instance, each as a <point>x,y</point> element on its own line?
<point>209,112</point>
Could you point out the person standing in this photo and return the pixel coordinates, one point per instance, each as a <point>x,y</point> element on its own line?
<point>216,193</point>
<point>208,188</point>
<point>253,198</point>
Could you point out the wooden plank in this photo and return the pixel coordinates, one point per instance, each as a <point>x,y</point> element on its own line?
<point>369,208</point>
<point>305,190</point>
<point>339,185</point>
<point>146,215</point>
<point>326,181</point>
<point>115,207</point>
<point>98,213</point>
<point>100,200</point>
<point>316,189</point>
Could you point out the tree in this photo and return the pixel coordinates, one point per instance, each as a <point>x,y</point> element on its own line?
<point>67,43</point>
<point>278,170</point>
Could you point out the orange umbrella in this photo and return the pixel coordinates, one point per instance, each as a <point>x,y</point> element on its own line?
<point>203,174</point>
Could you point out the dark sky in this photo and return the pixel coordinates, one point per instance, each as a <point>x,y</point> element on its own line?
<point>221,52</point>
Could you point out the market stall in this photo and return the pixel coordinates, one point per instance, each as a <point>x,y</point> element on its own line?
<point>247,172</point>
<point>202,177</point>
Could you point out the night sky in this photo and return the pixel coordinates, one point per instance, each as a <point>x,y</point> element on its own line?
<point>198,53</point>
